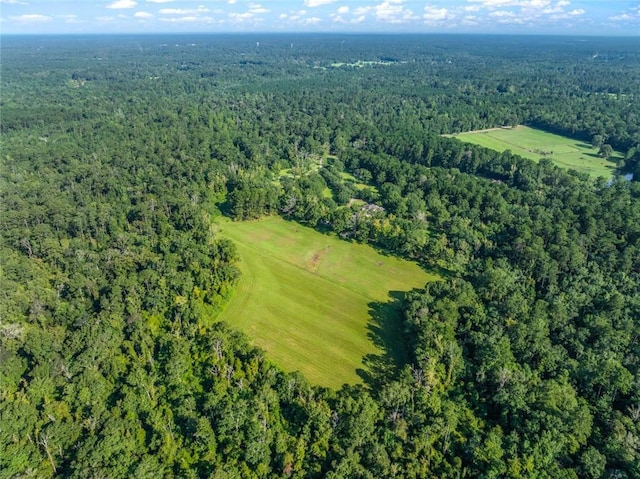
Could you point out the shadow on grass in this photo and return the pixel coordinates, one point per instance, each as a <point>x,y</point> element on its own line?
<point>386,325</point>
<point>610,163</point>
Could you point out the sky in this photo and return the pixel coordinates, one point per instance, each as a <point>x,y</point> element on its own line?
<point>579,17</point>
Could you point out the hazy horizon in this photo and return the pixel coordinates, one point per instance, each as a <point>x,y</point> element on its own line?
<point>502,17</point>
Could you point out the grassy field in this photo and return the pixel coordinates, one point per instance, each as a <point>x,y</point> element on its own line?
<point>361,63</point>
<point>530,143</point>
<point>315,303</point>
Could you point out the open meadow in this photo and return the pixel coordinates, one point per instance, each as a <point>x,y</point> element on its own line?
<point>537,144</point>
<point>316,303</point>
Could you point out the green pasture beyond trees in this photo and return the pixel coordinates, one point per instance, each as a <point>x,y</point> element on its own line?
<point>314,302</point>
<point>537,144</point>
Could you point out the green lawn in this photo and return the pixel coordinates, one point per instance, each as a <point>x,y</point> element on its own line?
<point>349,178</point>
<point>361,63</point>
<point>306,298</point>
<point>529,143</point>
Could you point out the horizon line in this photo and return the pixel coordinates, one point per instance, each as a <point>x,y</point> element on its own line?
<point>326,32</point>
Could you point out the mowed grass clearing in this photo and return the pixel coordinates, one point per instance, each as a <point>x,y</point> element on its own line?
<point>530,143</point>
<point>306,298</point>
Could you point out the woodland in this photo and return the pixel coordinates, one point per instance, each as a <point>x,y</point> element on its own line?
<point>118,154</point>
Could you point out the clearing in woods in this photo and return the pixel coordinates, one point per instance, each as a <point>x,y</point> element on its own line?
<point>316,303</point>
<point>537,144</point>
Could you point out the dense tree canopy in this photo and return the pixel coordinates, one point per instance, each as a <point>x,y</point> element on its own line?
<point>118,153</point>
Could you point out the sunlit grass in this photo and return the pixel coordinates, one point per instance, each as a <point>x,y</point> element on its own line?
<point>306,297</point>
<point>537,144</point>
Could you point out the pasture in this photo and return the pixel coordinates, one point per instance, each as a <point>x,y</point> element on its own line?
<point>537,144</point>
<point>315,303</point>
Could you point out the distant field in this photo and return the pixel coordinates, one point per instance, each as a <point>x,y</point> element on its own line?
<point>349,178</point>
<point>531,143</point>
<point>305,297</point>
<point>362,63</point>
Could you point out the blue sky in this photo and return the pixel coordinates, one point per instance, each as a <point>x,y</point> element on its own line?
<point>594,17</point>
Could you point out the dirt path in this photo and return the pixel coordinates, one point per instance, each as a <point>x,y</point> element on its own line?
<point>484,131</point>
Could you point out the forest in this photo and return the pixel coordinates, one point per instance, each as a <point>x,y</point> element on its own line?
<point>120,153</point>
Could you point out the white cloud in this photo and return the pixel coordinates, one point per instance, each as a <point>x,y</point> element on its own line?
<point>362,10</point>
<point>187,19</point>
<point>506,17</point>
<point>339,18</point>
<point>389,9</point>
<point>13,2</point>
<point>122,4</point>
<point>173,11</point>
<point>502,14</point>
<point>143,15</point>
<point>523,4</point>
<point>159,1</point>
<point>434,15</point>
<point>183,11</point>
<point>71,19</point>
<point>553,9</point>
<point>470,20</point>
<point>317,3</point>
<point>630,16</point>
<point>293,15</point>
<point>534,4</point>
<point>30,18</point>
<point>312,21</point>
<point>393,11</point>
<point>511,21</point>
<point>241,16</point>
<point>256,8</point>
<point>495,3</point>
<point>529,12</point>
